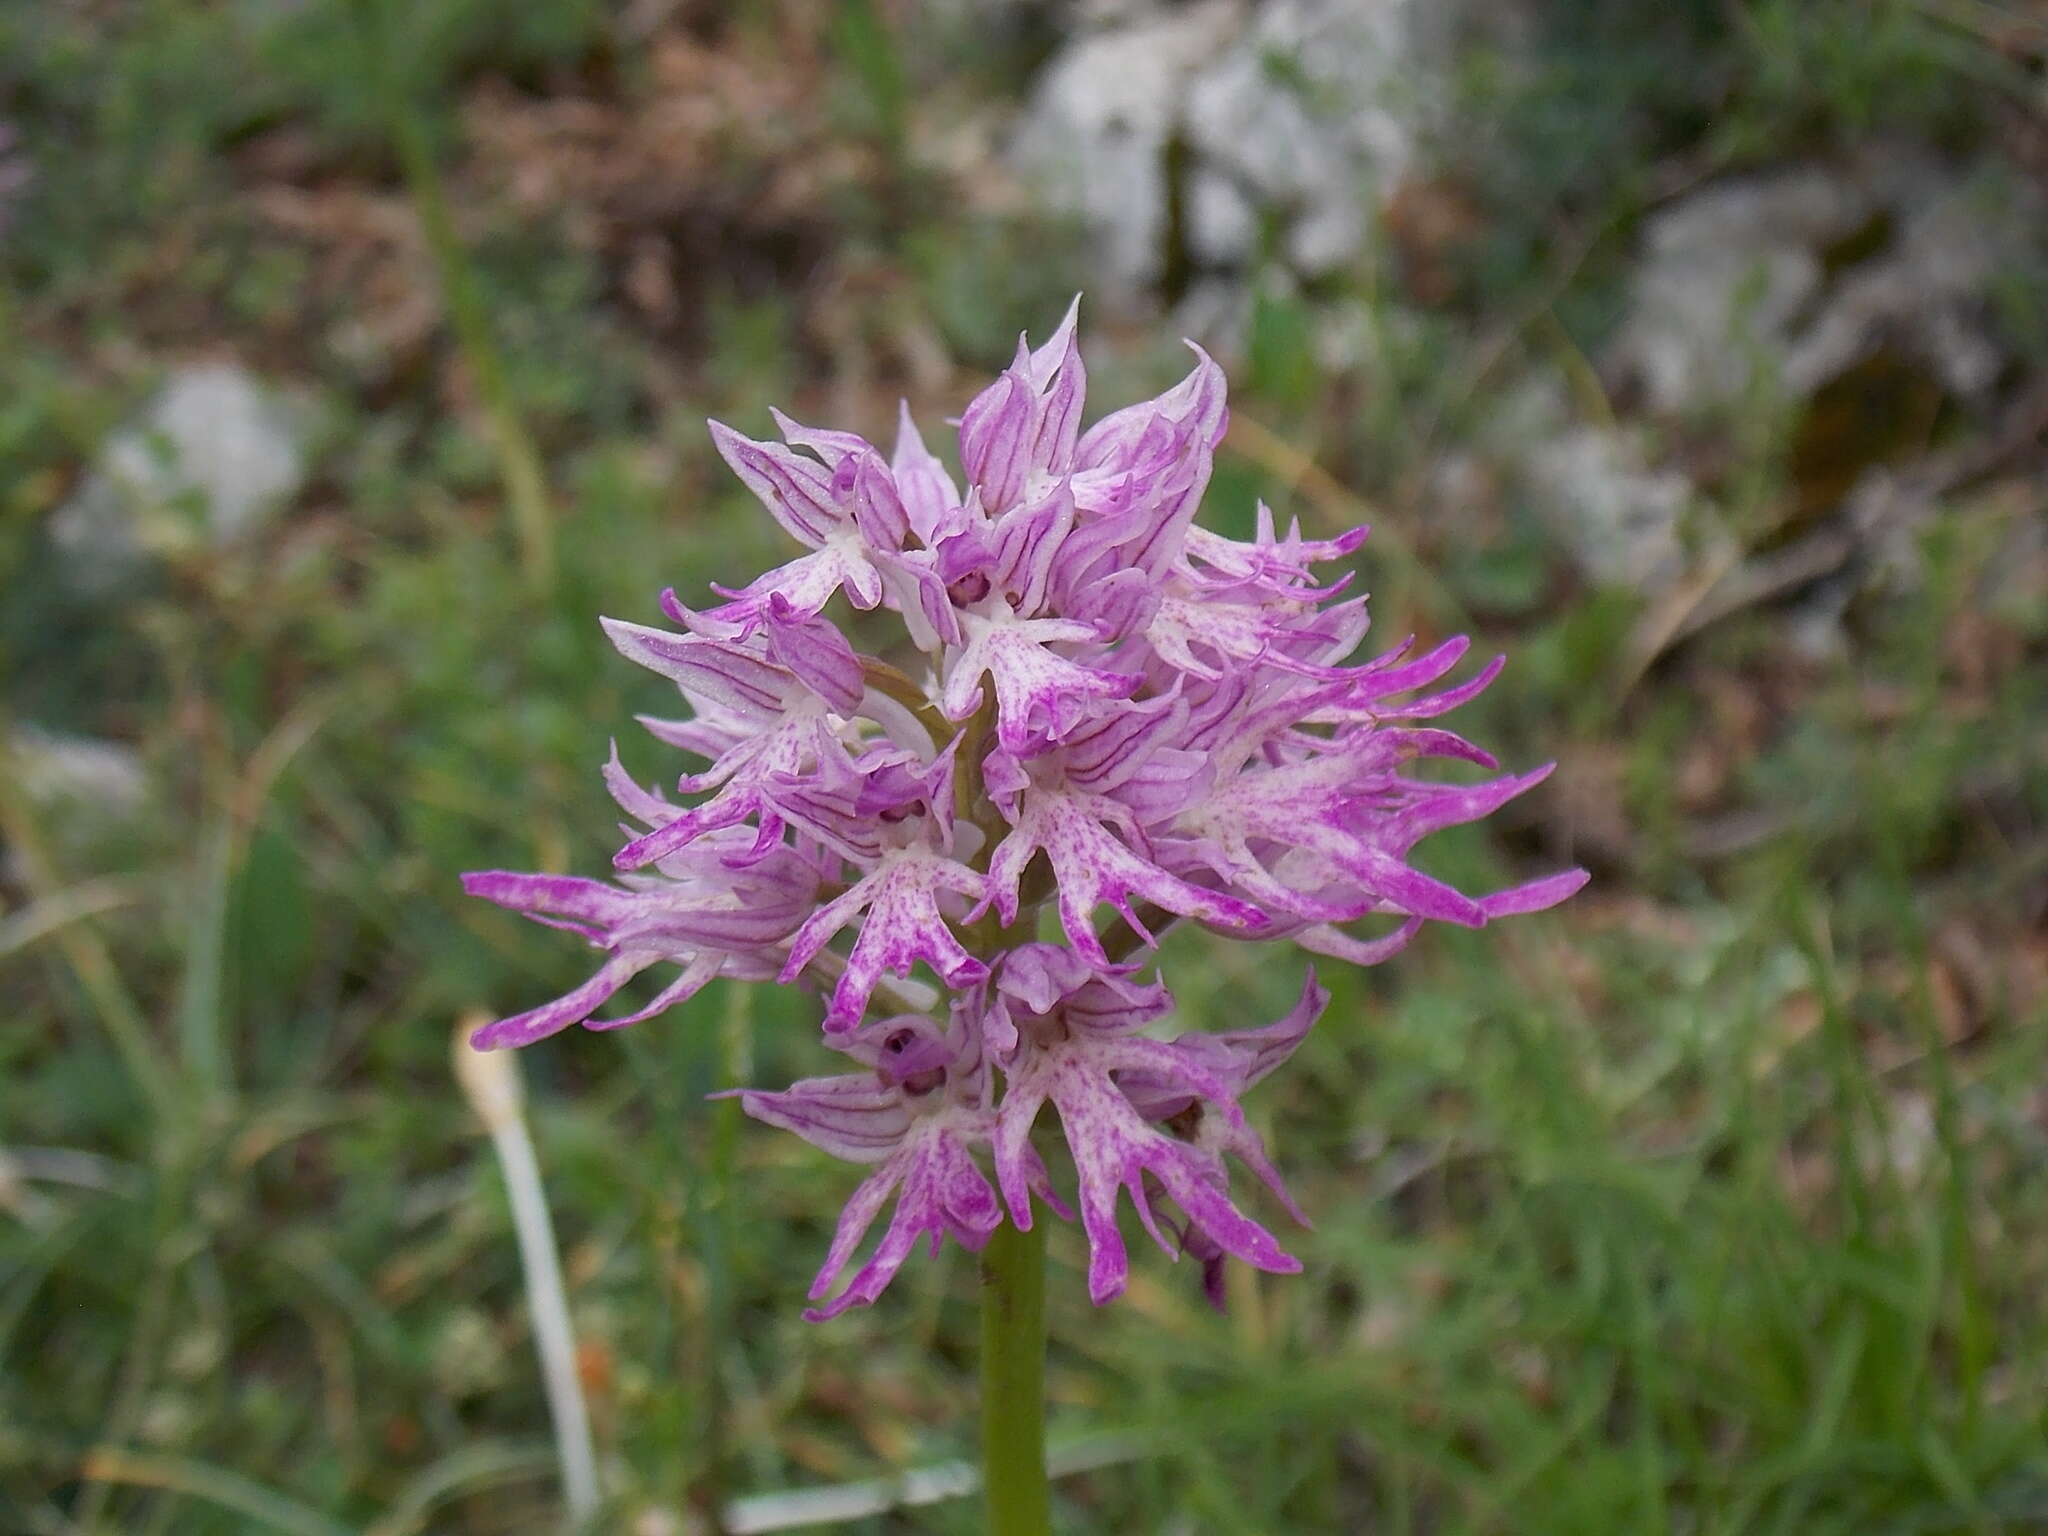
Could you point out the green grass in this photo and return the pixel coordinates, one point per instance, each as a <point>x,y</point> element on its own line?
<point>1714,1202</point>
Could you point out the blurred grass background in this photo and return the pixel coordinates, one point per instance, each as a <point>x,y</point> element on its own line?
<point>1713,1202</point>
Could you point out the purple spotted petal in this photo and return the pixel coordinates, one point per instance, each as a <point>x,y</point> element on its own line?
<point>1092,867</point>
<point>940,1192</point>
<point>1115,1151</point>
<point>903,925</point>
<point>1038,691</point>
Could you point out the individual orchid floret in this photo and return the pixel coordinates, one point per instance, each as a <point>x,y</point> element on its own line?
<point>1143,469</point>
<point>1022,696</point>
<point>917,1114</point>
<point>1327,838</point>
<point>778,696</point>
<point>1041,695</point>
<point>1095,844</point>
<point>1238,1059</point>
<point>700,913</point>
<point>1073,1032</point>
<point>900,899</point>
<point>847,512</point>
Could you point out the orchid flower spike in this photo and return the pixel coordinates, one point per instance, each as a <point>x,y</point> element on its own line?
<point>1098,705</point>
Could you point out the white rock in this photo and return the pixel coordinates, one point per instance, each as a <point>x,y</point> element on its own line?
<point>1927,292</point>
<point>213,455</point>
<point>1622,520</point>
<point>1724,275</point>
<point>103,778</point>
<point>1309,117</point>
<point>1299,115</point>
<point>1094,135</point>
<point>1733,290</point>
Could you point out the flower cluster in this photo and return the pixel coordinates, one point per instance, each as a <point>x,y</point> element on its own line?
<point>1113,708</point>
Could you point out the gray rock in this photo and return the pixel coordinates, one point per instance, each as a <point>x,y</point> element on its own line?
<point>1596,488</point>
<point>1724,275</point>
<point>1297,116</point>
<point>1928,292</point>
<point>1217,312</point>
<point>1622,521</point>
<point>1095,134</point>
<point>101,777</point>
<point>211,458</point>
<point>90,798</point>
<point>1735,289</point>
<point>1308,119</point>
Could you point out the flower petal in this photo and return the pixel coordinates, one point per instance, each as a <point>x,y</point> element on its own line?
<point>796,490</point>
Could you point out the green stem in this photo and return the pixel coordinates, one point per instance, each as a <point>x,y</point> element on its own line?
<point>1013,1383</point>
